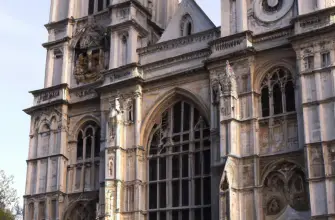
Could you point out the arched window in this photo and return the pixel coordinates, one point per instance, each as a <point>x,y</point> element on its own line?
<point>179,165</point>
<point>88,142</point>
<point>186,26</point>
<point>277,93</point>
<point>88,153</point>
<point>189,28</point>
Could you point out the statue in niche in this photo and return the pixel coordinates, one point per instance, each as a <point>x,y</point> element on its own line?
<point>111,167</point>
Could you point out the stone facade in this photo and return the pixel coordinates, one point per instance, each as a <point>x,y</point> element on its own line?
<point>151,112</point>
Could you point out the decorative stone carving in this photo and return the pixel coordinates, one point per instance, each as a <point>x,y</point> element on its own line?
<point>272,10</point>
<point>317,164</point>
<point>285,185</point>
<point>90,43</point>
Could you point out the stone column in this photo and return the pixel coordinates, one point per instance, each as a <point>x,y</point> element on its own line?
<point>225,18</point>
<point>241,15</point>
<point>321,4</point>
<point>114,52</point>
<point>138,115</point>
<point>132,46</point>
<point>49,68</point>
<point>67,62</point>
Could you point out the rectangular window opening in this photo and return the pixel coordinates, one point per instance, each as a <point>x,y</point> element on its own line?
<point>325,59</point>
<point>90,7</point>
<point>153,196</point>
<point>100,5</point>
<point>185,189</point>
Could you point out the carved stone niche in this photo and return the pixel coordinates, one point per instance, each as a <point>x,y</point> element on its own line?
<point>331,159</point>
<point>284,186</point>
<point>91,45</point>
<point>316,162</point>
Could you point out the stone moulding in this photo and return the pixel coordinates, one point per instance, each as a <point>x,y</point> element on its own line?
<point>124,73</point>
<point>315,20</point>
<point>171,61</point>
<point>231,44</point>
<point>183,41</point>
<point>285,32</point>
<point>47,95</point>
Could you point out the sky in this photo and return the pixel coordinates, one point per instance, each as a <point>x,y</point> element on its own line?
<point>22,63</point>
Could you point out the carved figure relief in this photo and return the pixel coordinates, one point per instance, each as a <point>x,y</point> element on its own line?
<point>316,157</point>
<point>111,167</point>
<point>90,44</point>
<point>285,186</point>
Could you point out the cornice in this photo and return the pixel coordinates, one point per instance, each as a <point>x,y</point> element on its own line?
<point>231,37</point>
<point>33,109</point>
<point>174,60</point>
<point>55,24</point>
<point>221,60</point>
<point>175,43</point>
<point>48,89</point>
<point>129,3</point>
<point>322,11</point>
<point>271,35</point>
<point>56,42</point>
<point>183,72</point>
<point>126,24</point>
<point>47,157</point>
<point>39,195</point>
<point>312,33</point>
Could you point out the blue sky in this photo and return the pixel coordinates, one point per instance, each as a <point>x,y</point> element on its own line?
<point>22,62</point>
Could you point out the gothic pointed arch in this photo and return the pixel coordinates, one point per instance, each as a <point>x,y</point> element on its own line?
<point>179,163</point>
<point>85,156</point>
<point>165,101</point>
<point>76,126</point>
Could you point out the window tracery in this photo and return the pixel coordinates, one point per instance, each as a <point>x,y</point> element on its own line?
<point>277,93</point>
<point>87,157</point>
<point>179,165</point>
<point>285,185</point>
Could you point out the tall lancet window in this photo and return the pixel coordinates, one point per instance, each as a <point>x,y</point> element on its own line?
<point>179,165</point>
<point>186,25</point>
<point>124,50</point>
<point>87,154</point>
<point>277,93</point>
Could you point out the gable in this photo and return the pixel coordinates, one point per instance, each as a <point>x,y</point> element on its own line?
<point>188,11</point>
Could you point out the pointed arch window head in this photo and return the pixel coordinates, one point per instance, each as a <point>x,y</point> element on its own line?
<point>186,26</point>
<point>88,142</point>
<point>277,93</point>
<point>179,165</point>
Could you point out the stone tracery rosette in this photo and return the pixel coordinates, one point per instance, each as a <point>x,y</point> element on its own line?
<point>285,186</point>
<point>272,10</point>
